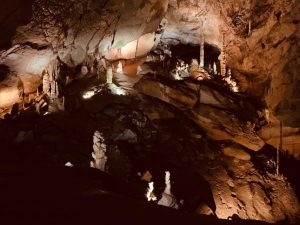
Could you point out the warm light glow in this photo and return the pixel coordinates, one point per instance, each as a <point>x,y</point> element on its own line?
<point>8,97</point>
<point>150,195</point>
<point>88,94</point>
<point>36,64</point>
<point>117,90</point>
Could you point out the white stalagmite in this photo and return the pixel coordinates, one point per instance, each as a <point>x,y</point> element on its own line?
<point>202,51</point>
<point>167,198</point>
<point>150,195</point>
<point>56,89</point>
<point>46,83</point>
<point>215,68</point>
<point>109,75</point>
<point>223,57</point>
<point>53,91</point>
<point>120,68</point>
<point>99,154</point>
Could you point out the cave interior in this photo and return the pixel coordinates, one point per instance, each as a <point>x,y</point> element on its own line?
<point>150,111</point>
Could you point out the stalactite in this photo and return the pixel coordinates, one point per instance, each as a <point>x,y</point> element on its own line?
<point>278,150</point>
<point>223,56</point>
<point>249,27</point>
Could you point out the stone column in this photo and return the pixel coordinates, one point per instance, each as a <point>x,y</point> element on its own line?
<point>202,51</point>
<point>223,57</point>
<point>109,75</point>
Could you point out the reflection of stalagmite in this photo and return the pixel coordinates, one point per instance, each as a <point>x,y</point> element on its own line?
<point>202,51</point>
<point>168,199</point>
<point>99,154</point>
<point>109,75</point>
<point>223,56</point>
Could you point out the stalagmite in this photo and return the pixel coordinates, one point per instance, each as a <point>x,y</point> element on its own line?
<point>120,68</point>
<point>109,75</point>
<point>223,56</point>
<point>139,70</point>
<point>99,154</point>
<point>202,51</point>
<point>168,199</point>
<point>56,89</point>
<point>249,27</point>
<point>278,151</point>
<point>215,69</point>
<point>46,83</point>
<point>150,195</point>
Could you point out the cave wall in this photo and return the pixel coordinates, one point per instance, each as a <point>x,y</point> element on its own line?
<point>264,59</point>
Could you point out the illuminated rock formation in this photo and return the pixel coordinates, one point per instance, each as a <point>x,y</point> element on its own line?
<point>202,51</point>
<point>223,56</point>
<point>99,154</point>
<point>168,199</point>
<point>109,75</point>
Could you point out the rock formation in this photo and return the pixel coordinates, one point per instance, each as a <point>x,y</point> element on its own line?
<point>99,154</point>
<point>167,198</point>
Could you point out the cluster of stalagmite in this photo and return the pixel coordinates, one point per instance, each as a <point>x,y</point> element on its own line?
<point>99,154</point>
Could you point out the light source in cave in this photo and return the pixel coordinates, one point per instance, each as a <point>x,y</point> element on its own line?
<point>231,82</point>
<point>150,192</point>
<point>181,70</point>
<point>89,94</point>
<point>116,90</point>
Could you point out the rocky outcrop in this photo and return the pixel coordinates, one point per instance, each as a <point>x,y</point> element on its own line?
<point>290,138</point>
<point>236,151</point>
<point>206,108</point>
<point>181,97</point>
<point>220,125</point>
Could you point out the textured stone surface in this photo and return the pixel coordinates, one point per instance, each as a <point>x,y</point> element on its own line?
<point>236,151</point>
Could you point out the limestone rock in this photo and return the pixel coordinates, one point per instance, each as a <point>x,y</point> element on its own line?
<point>220,125</point>
<point>290,140</point>
<point>236,152</point>
<point>127,135</point>
<point>180,96</point>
